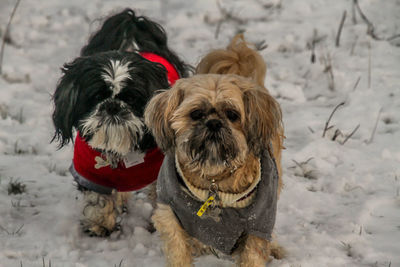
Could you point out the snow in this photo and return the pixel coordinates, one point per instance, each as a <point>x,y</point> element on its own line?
<point>340,205</point>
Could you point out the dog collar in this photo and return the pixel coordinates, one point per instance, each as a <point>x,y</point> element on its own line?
<point>238,200</point>
<point>172,73</point>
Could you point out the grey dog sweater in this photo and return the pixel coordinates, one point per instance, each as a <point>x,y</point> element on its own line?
<point>258,218</point>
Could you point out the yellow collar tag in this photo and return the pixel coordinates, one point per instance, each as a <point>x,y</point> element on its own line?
<point>204,207</point>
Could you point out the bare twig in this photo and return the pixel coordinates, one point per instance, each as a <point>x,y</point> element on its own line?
<point>370,26</point>
<point>393,37</point>
<point>357,82</point>
<point>44,264</point>
<point>225,16</point>
<point>14,232</point>
<point>6,33</point>
<point>311,44</point>
<point>374,130</point>
<point>347,247</point>
<point>217,29</point>
<point>18,230</point>
<point>327,60</point>
<point>327,127</point>
<point>306,171</point>
<point>350,135</point>
<point>261,45</point>
<point>336,134</point>
<point>353,46</point>
<point>303,162</point>
<point>369,64</point>
<point>120,263</point>
<point>353,13</point>
<point>4,229</point>
<point>340,28</point>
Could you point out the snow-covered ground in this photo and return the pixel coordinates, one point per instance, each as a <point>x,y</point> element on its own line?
<point>341,202</point>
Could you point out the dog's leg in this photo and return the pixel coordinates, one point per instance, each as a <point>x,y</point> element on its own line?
<point>151,192</point>
<point>255,253</point>
<point>277,251</point>
<point>176,241</point>
<point>100,212</point>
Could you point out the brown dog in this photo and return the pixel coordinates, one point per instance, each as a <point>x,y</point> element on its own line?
<point>219,183</point>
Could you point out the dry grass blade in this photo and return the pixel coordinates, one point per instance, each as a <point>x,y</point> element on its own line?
<point>374,130</point>
<point>340,28</point>
<point>6,33</point>
<point>357,82</point>
<point>330,117</point>
<point>350,135</point>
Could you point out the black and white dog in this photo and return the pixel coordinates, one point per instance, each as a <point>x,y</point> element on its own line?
<point>102,95</point>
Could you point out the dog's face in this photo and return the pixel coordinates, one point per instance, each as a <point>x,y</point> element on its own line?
<point>213,122</point>
<point>103,96</point>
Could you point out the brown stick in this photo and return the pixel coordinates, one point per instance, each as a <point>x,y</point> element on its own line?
<point>6,33</point>
<point>340,28</point>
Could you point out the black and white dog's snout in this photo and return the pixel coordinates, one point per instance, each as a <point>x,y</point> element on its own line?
<point>113,127</point>
<point>114,108</point>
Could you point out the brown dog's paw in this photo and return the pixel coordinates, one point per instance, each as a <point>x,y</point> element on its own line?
<point>98,230</point>
<point>277,251</point>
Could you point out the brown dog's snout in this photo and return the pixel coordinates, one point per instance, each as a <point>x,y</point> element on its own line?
<point>214,125</point>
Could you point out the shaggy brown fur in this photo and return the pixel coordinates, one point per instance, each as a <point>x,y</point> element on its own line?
<point>100,212</point>
<point>238,58</point>
<point>250,120</point>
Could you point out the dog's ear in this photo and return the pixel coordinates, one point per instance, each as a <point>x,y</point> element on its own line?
<point>155,75</point>
<point>158,114</point>
<point>263,116</point>
<point>65,99</point>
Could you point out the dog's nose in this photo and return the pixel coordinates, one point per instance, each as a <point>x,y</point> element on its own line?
<point>214,125</point>
<point>112,108</point>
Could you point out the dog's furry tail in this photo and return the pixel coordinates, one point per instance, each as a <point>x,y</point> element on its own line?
<point>125,31</point>
<point>238,58</point>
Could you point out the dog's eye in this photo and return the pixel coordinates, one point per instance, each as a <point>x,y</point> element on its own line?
<point>232,115</point>
<point>197,114</point>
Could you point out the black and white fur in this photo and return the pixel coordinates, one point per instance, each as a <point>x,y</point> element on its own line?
<point>82,100</point>
<point>127,32</point>
<point>103,96</point>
